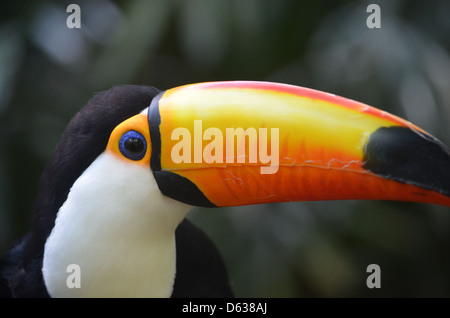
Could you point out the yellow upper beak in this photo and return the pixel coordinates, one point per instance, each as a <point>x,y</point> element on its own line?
<point>237,143</point>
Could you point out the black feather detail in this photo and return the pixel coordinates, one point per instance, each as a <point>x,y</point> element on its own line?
<point>201,272</point>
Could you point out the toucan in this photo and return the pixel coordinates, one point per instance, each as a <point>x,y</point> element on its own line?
<point>135,160</point>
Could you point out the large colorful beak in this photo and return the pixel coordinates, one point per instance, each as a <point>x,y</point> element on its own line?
<point>238,143</point>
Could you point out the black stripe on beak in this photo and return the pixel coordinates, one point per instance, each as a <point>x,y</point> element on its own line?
<point>169,183</point>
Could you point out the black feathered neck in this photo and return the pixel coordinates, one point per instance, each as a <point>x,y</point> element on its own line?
<point>84,139</point>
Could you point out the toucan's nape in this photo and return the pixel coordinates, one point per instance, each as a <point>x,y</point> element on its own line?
<point>134,161</point>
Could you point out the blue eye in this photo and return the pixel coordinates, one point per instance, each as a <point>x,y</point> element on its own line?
<point>133,145</point>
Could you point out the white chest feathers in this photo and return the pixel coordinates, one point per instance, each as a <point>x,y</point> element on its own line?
<point>114,236</point>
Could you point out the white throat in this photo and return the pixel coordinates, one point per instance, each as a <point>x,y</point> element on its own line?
<point>119,230</point>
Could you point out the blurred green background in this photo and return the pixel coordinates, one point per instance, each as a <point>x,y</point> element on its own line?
<point>314,249</point>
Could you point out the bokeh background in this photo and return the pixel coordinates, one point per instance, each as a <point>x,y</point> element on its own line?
<point>314,249</point>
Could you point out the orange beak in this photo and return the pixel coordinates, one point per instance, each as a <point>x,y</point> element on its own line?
<point>238,143</point>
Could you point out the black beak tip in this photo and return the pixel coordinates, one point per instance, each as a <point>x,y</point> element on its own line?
<point>409,156</point>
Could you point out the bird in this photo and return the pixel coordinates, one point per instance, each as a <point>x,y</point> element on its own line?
<point>135,160</point>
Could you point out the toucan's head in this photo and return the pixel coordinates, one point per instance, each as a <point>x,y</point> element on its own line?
<point>137,160</point>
